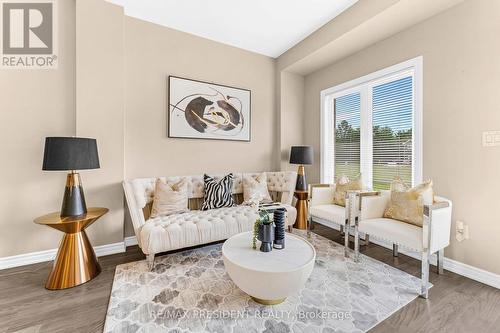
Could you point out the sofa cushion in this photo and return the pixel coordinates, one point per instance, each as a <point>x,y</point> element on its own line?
<point>170,198</point>
<point>218,193</point>
<point>329,212</point>
<point>394,231</point>
<point>165,233</point>
<point>255,188</point>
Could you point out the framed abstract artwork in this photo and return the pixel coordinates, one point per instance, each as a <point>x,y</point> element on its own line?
<point>204,110</point>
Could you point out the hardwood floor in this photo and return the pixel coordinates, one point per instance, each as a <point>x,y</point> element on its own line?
<point>456,303</point>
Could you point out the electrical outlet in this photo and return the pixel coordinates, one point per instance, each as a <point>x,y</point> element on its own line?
<point>462,231</point>
<point>491,138</point>
<point>466,231</point>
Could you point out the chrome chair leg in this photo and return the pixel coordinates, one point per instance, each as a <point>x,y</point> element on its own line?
<point>346,238</point>
<point>440,261</point>
<point>356,239</point>
<point>309,226</point>
<point>395,250</point>
<point>424,292</point>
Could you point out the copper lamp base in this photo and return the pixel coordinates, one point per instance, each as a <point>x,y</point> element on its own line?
<point>301,206</point>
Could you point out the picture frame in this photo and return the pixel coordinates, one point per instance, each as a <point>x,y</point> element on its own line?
<point>206,110</point>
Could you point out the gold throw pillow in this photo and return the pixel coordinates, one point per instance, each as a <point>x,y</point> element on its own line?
<point>170,198</point>
<point>343,185</point>
<point>407,205</point>
<point>255,187</point>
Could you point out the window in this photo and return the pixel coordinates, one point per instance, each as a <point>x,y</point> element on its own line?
<point>372,125</point>
<point>347,148</point>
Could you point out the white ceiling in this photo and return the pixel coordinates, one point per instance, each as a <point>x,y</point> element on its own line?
<point>268,27</point>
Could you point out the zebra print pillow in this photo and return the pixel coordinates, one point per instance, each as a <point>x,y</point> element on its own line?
<point>218,194</point>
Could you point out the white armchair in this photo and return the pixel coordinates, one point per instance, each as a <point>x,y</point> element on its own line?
<point>367,218</point>
<point>323,211</point>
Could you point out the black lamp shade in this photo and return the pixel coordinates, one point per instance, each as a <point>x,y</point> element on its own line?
<point>302,155</point>
<point>68,153</point>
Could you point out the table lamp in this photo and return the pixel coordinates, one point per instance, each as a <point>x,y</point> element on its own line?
<point>71,154</point>
<point>301,155</point>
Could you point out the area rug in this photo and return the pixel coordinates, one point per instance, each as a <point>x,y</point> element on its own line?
<point>190,292</point>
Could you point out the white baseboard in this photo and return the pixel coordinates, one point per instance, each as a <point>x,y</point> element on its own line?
<point>106,250</point>
<point>49,255</point>
<point>451,265</point>
<point>472,272</point>
<point>130,241</point>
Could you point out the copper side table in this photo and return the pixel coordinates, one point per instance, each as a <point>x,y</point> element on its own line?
<point>301,206</point>
<point>76,262</point>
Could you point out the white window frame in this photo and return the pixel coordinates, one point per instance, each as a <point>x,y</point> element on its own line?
<point>364,85</point>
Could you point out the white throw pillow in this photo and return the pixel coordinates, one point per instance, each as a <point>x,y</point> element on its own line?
<point>170,198</point>
<point>255,187</point>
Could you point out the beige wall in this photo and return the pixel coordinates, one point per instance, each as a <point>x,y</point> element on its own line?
<point>100,110</point>
<point>291,113</point>
<point>153,52</point>
<point>34,104</point>
<point>461,85</point>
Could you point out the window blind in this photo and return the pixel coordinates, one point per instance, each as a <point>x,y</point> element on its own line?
<point>347,119</point>
<point>392,121</point>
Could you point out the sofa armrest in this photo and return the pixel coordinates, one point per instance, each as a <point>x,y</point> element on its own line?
<point>436,226</point>
<point>321,194</point>
<point>136,213</point>
<point>286,197</point>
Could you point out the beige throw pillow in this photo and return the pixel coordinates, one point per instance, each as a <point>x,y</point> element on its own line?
<point>343,185</point>
<point>170,198</point>
<point>255,187</point>
<point>407,205</point>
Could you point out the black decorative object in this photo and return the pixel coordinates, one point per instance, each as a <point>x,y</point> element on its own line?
<point>266,236</point>
<point>301,155</point>
<point>279,216</point>
<point>71,154</point>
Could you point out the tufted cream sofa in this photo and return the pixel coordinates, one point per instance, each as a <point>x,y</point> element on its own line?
<point>160,234</point>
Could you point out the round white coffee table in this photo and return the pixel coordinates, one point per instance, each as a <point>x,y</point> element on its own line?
<point>268,277</point>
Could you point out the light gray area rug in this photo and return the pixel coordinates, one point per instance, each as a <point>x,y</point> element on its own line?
<point>190,292</point>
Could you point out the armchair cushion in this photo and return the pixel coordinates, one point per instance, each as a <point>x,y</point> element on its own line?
<point>404,234</point>
<point>342,186</point>
<point>407,205</point>
<point>329,212</point>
